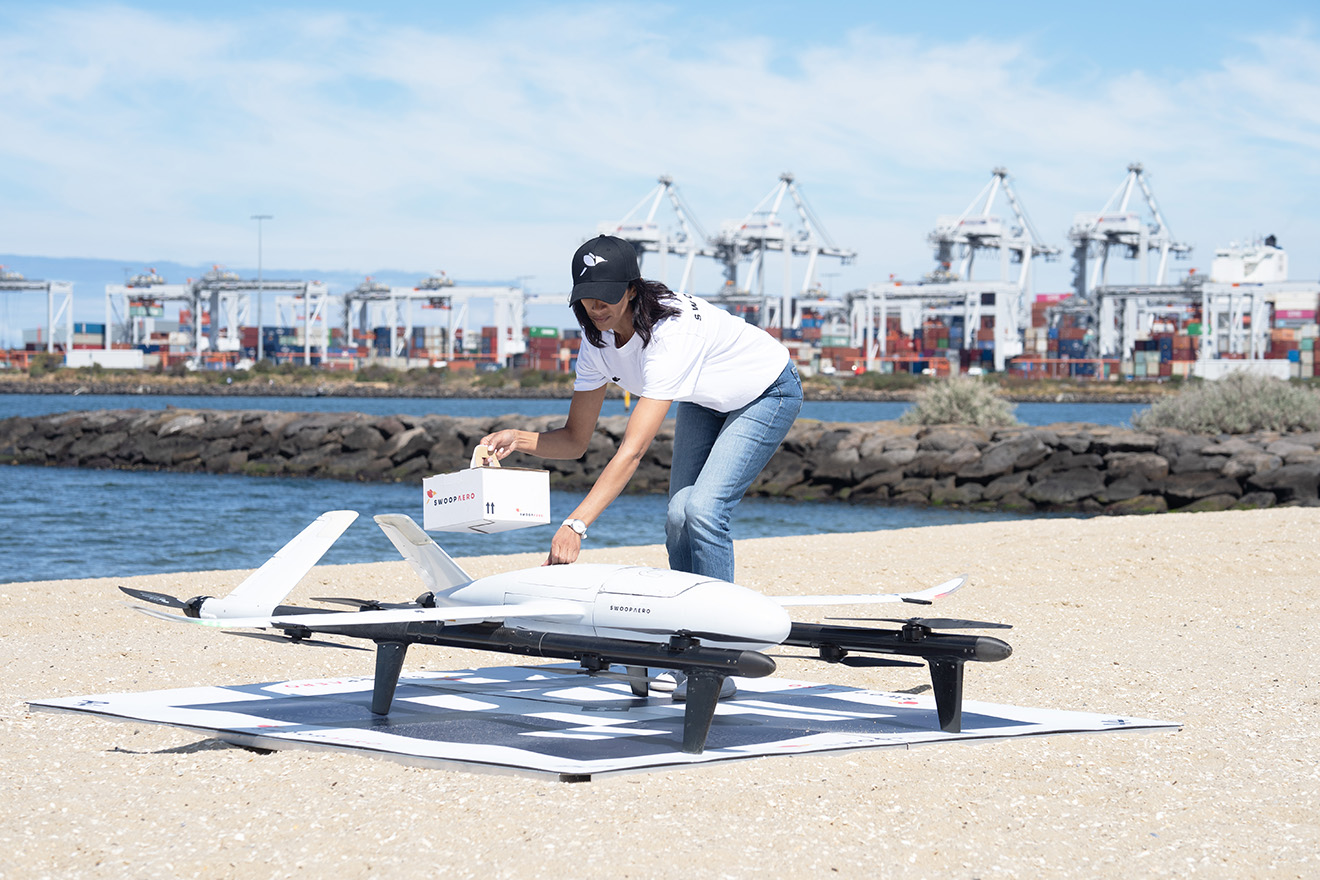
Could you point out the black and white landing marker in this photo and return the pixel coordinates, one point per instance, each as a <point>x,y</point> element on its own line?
<point>553,721</point>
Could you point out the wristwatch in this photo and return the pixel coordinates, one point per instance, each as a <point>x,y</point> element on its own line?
<point>576,525</point>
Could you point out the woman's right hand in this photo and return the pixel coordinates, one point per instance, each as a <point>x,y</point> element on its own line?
<point>502,443</point>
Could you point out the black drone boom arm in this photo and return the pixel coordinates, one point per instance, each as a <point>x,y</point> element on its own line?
<point>946,653</point>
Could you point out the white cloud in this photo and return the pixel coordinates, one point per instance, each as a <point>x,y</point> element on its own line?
<point>492,149</point>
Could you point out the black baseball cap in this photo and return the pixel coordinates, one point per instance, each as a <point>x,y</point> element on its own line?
<point>603,268</point>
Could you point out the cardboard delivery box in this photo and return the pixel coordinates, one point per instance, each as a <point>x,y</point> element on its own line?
<point>486,498</point>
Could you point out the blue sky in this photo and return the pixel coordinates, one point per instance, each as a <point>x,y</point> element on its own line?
<point>488,140</point>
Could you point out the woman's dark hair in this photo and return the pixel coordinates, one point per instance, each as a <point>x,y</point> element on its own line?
<point>650,307</point>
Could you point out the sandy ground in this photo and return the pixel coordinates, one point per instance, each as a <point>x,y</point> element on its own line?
<point>1206,619</point>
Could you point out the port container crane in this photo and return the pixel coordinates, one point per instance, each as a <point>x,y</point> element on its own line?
<point>761,231</point>
<point>372,304</point>
<point>689,241</point>
<point>222,294</point>
<point>1119,226</point>
<point>958,237</point>
<point>59,319</point>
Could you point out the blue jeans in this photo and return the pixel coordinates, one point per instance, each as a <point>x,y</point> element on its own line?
<point>716,457</point>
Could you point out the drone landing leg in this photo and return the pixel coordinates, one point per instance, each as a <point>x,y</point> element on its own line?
<point>639,683</point>
<point>946,678</point>
<point>389,665</point>
<point>703,693</point>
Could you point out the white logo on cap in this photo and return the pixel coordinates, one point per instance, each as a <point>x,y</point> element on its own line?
<point>589,260</point>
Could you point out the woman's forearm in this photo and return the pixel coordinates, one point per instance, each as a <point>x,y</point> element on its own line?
<point>570,441</point>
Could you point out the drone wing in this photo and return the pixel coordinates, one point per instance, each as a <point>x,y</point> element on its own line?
<point>542,608</point>
<point>922,597</point>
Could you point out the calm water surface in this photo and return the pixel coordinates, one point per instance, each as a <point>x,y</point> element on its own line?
<point>76,523</point>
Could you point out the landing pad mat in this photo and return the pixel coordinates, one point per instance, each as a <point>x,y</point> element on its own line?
<point>551,720</point>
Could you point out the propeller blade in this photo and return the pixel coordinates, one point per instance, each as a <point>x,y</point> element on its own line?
<point>919,689</point>
<point>876,661</point>
<point>849,660</point>
<point>271,637</point>
<point>610,674</point>
<point>155,598</point>
<point>933,622</point>
<point>360,604</point>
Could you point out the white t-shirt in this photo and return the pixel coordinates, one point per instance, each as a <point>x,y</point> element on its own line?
<point>703,355</point>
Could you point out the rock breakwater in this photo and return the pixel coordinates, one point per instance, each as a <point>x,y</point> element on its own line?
<point>1067,467</point>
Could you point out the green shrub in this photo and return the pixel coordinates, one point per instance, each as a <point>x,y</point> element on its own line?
<point>1237,404</point>
<point>377,373</point>
<point>426,376</point>
<point>539,378</point>
<point>42,364</point>
<point>886,381</point>
<point>960,400</point>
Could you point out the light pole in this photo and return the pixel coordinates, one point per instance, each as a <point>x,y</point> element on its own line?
<point>261,348</point>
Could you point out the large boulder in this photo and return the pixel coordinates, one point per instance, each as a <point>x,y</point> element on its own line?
<point>1292,482</point>
<point>1068,487</point>
<point>1147,465</point>
<point>406,444</point>
<point>1020,452</point>
<point>1182,489</point>
<point>947,438</point>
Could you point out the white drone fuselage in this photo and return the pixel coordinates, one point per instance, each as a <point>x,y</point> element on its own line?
<point>631,602</point>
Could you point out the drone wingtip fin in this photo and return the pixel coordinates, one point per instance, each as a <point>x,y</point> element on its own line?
<point>433,565</point>
<point>266,587</point>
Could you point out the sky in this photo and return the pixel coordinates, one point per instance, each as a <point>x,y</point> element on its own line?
<point>490,140</point>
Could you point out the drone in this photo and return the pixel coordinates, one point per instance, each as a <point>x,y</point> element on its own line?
<point>598,615</point>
